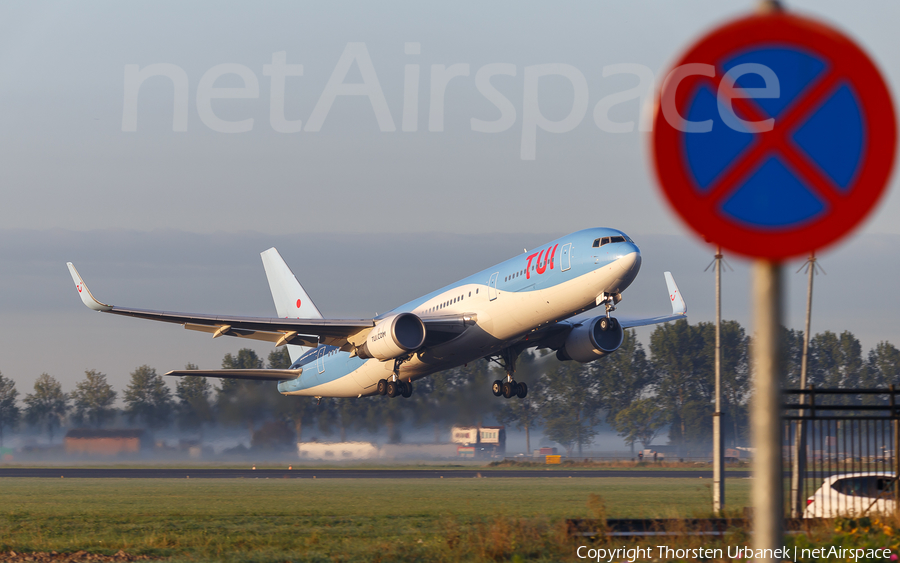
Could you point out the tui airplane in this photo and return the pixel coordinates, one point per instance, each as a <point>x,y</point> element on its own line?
<point>525,302</point>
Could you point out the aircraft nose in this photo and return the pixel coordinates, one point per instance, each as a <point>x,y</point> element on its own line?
<point>629,262</point>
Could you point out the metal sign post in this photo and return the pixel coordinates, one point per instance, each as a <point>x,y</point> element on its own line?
<point>765,414</point>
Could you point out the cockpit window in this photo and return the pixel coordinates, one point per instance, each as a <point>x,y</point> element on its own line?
<point>606,240</point>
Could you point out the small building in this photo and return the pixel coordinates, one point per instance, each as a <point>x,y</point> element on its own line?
<point>479,441</point>
<point>349,451</point>
<point>90,441</point>
<point>337,451</point>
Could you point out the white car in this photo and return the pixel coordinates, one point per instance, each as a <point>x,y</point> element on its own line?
<point>852,494</point>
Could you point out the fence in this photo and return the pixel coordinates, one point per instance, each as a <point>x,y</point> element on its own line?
<point>847,438</point>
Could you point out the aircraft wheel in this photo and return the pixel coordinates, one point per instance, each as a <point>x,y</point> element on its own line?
<point>521,390</point>
<point>508,389</point>
<point>613,323</point>
<point>382,387</point>
<point>497,388</point>
<point>407,389</point>
<point>392,389</point>
<point>605,324</point>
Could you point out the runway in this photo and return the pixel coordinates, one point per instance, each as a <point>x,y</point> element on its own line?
<point>307,473</point>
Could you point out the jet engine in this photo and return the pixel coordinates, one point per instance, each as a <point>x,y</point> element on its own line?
<point>590,341</point>
<point>393,336</point>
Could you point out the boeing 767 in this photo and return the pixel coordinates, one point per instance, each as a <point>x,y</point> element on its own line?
<point>525,302</point>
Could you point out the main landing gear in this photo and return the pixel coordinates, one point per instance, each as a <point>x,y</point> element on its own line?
<point>395,386</point>
<point>508,387</point>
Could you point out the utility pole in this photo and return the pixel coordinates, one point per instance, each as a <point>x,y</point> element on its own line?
<point>718,440</point>
<point>799,466</point>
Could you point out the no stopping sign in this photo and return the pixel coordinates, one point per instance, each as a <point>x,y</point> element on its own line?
<point>774,136</point>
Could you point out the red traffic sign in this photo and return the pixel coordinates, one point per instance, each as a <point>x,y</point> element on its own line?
<point>774,136</point>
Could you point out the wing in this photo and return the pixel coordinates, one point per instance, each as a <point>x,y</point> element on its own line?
<point>554,335</point>
<point>345,334</point>
<point>679,308</point>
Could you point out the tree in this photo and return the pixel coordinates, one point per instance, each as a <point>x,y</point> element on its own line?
<point>791,355</point>
<point>458,396</point>
<point>735,377</point>
<point>47,406</point>
<point>623,376</point>
<point>883,365</point>
<point>9,412</point>
<point>684,371</point>
<point>148,398</point>
<point>834,360</point>
<point>240,400</point>
<point>297,410</point>
<point>571,406</point>
<point>641,421</point>
<point>193,407</point>
<point>280,358</point>
<point>92,399</point>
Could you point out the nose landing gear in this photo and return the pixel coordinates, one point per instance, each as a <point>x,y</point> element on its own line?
<point>609,300</point>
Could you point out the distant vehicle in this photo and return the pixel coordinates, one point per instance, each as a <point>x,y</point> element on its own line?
<point>853,494</point>
<point>496,314</point>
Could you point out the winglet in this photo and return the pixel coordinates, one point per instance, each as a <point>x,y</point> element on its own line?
<point>85,293</point>
<point>679,307</point>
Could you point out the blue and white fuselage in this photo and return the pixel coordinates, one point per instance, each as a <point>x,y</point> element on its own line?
<point>542,286</point>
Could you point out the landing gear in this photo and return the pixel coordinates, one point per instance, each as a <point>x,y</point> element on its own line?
<point>508,387</point>
<point>393,389</point>
<point>609,300</point>
<point>608,323</point>
<point>521,390</point>
<point>395,386</point>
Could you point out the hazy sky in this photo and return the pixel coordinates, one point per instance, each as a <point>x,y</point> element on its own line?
<point>368,217</point>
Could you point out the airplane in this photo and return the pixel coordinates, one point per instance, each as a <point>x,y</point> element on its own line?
<point>528,301</point>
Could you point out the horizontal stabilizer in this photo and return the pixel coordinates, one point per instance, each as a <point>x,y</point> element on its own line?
<point>255,374</point>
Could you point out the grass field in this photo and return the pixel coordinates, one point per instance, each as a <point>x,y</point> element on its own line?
<point>331,520</point>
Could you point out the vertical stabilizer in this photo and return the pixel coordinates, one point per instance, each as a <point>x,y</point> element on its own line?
<point>291,301</point>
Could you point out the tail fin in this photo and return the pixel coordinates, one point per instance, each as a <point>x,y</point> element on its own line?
<point>291,301</point>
